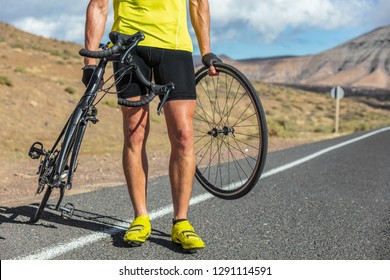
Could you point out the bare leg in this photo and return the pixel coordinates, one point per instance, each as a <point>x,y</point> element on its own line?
<point>135,164</point>
<point>178,114</point>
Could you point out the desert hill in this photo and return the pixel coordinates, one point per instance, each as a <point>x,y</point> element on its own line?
<point>361,64</point>
<point>40,85</point>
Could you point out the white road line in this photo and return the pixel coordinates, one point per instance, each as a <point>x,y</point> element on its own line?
<point>319,153</point>
<point>57,250</point>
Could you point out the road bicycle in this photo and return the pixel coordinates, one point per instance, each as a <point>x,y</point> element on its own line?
<point>229,124</point>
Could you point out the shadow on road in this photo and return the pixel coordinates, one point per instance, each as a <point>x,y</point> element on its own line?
<point>157,237</point>
<point>82,219</point>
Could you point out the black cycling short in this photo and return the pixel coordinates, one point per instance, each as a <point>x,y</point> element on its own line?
<point>164,66</point>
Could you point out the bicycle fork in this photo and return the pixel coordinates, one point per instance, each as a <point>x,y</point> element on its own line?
<point>68,209</point>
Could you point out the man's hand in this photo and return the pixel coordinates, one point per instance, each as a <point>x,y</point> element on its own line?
<point>87,73</point>
<point>208,60</point>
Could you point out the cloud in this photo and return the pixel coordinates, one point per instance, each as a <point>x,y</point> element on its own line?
<point>65,27</point>
<point>270,18</point>
<point>42,27</point>
<point>62,20</point>
<point>380,13</point>
<point>260,20</point>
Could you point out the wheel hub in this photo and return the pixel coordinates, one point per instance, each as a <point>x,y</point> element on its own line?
<point>225,131</point>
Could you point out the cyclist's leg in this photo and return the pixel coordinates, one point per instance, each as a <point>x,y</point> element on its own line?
<point>177,67</point>
<point>134,158</point>
<point>135,132</point>
<point>179,114</point>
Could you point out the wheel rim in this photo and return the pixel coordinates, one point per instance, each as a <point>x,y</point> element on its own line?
<point>228,133</point>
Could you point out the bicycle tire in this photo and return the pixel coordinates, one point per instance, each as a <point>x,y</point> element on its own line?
<point>230,133</point>
<point>42,205</point>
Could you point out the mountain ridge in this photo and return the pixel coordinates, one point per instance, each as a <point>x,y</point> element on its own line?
<point>361,64</point>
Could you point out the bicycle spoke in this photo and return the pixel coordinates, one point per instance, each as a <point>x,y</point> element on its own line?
<point>247,135</point>
<point>208,144</point>
<point>235,161</point>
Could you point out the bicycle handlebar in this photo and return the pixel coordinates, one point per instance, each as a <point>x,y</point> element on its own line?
<point>121,42</point>
<point>100,54</point>
<point>145,100</point>
<point>123,46</point>
<point>154,90</point>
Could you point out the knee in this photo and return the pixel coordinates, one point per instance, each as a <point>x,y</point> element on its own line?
<point>183,139</point>
<point>135,136</point>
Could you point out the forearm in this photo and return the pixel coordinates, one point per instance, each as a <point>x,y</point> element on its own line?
<point>200,18</point>
<point>96,18</point>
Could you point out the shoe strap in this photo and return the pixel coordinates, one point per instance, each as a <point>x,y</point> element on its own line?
<point>178,221</point>
<point>190,233</point>
<point>137,228</point>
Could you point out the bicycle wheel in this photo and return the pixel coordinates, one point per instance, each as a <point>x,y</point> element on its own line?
<point>42,205</point>
<point>230,133</point>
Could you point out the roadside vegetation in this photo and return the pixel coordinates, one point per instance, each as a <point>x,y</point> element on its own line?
<point>298,114</point>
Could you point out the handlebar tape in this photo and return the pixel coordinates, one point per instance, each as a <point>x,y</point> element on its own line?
<point>144,100</point>
<point>100,54</point>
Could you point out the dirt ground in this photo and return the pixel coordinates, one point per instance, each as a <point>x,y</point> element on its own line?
<point>18,179</point>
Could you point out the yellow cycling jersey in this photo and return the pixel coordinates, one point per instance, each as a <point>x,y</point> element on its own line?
<point>164,22</point>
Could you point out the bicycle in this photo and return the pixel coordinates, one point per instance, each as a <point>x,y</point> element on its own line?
<point>58,165</point>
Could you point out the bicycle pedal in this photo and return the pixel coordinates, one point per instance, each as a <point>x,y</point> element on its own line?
<point>36,150</point>
<point>67,210</point>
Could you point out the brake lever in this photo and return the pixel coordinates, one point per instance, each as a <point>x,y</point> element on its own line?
<point>166,90</point>
<point>126,58</point>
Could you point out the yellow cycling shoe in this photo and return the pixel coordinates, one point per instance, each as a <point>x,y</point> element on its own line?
<point>138,232</point>
<point>184,234</point>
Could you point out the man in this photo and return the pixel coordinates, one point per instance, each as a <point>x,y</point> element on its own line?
<point>166,53</point>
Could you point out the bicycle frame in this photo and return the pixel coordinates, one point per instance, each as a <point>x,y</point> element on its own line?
<point>78,118</point>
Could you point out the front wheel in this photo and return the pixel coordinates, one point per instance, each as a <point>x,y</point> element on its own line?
<point>230,133</point>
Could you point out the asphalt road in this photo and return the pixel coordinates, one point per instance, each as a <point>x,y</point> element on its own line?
<point>327,200</point>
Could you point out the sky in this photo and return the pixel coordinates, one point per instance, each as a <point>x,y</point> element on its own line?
<point>239,29</point>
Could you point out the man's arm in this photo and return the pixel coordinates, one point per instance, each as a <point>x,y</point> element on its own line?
<point>200,18</point>
<point>96,18</point>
